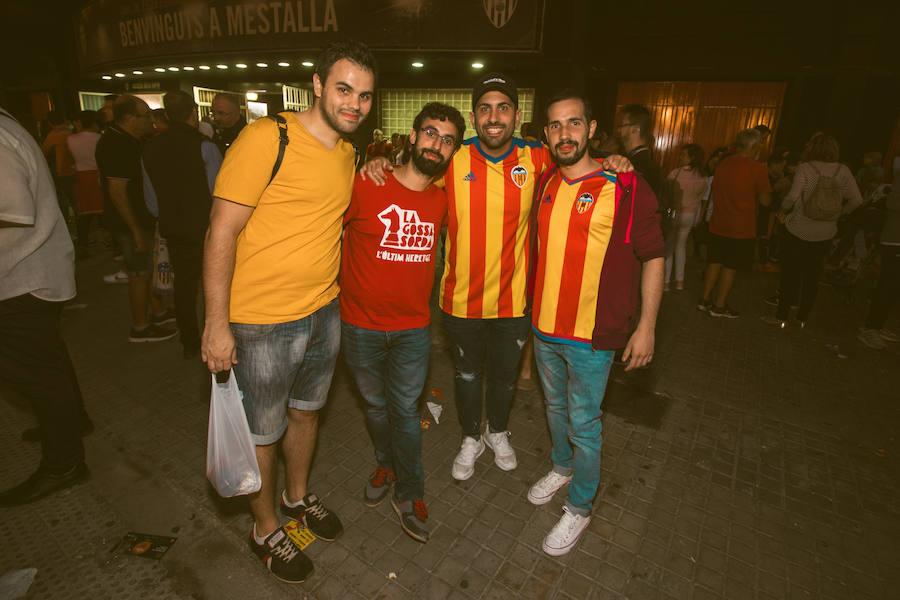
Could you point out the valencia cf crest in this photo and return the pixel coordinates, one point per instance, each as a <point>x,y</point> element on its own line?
<point>584,203</point>
<point>519,175</point>
<point>499,12</point>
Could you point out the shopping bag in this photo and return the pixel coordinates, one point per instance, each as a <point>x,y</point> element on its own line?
<point>163,273</point>
<point>231,464</point>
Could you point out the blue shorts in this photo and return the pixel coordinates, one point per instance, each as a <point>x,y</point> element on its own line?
<point>285,365</point>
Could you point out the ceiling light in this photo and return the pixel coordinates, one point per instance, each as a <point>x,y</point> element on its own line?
<point>263,65</point>
<point>137,72</point>
<point>159,70</point>
<point>173,68</point>
<point>203,67</point>
<point>120,74</point>
<point>418,65</point>
<point>477,65</point>
<point>241,66</point>
<point>107,77</point>
<point>221,66</point>
<point>188,68</point>
<point>306,63</point>
<point>252,96</point>
<point>284,64</point>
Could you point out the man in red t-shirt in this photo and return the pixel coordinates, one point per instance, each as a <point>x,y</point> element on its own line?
<point>379,146</point>
<point>740,185</point>
<point>387,271</point>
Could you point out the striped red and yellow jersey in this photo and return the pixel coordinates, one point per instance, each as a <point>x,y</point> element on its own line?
<point>485,264</point>
<point>574,228</point>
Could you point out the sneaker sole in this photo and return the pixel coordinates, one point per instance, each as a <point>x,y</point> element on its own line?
<point>515,464</point>
<point>371,503</point>
<point>471,471</point>
<point>324,539</point>
<point>544,500</point>
<point>281,579</point>
<point>721,316</point>
<point>155,339</point>
<point>565,549</point>
<point>163,322</point>
<point>868,344</point>
<point>403,526</point>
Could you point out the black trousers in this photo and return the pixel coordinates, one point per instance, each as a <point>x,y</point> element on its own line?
<point>887,293</point>
<point>35,363</point>
<point>187,259</point>
<point>801,269</point>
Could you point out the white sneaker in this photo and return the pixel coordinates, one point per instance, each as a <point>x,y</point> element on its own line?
<point>119,277</point>
<point>889,336</point>
<point>504,455</point>
<point>542,492</point>
<point>871,338</point>
<point>566,533</point>
<point>464,463</point>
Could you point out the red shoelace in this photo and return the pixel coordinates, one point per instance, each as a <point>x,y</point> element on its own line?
<point>379,476</point>
<point>420,510</point>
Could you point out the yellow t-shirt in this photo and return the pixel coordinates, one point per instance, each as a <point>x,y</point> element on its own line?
<point>289,254</point>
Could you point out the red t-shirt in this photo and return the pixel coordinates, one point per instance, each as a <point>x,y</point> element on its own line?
<point>736,184</point>
<point>387,264</point>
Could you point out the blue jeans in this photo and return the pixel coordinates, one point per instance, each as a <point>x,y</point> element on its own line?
<point>574,380</point>
<point>389,368</point>
<point>500,341</point>
<point>285,365</point>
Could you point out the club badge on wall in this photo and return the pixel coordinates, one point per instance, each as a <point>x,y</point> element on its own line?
<point>499,12</point>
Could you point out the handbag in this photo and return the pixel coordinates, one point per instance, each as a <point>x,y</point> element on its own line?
<point>231,464</point>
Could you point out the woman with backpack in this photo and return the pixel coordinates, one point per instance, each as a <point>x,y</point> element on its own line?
<point>823,191</point>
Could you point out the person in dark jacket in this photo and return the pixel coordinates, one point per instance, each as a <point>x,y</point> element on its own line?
<point>599,239</point>
<point>226,114</point>
<point>634,127</point>
<point>181,165</point>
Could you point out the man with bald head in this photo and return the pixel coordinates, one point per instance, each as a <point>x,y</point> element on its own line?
<point>226,114</point>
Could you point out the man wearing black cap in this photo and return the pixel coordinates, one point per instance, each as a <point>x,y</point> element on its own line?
<point>490,183</point>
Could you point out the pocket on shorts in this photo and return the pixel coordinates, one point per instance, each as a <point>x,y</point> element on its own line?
<point>247,332</point>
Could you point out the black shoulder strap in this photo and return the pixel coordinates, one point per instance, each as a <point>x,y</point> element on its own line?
<point>282,142</point>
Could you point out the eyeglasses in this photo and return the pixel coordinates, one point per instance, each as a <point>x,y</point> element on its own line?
<point>432,133</point>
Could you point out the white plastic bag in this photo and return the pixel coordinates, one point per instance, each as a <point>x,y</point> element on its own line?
<point>163,273</point>
<point>230,453</point>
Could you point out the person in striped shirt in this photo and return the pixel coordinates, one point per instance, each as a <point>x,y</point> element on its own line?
<point>490,184</point>
<point>596,231</point>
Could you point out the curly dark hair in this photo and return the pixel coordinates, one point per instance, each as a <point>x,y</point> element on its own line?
<point>442,112</point>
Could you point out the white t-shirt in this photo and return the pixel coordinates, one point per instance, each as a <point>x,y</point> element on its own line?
<point>36,253</point>
<point>82,146</point>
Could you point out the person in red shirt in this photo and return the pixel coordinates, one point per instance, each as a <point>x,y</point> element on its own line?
<point>379,146</point>
<point>598,243</point>
<point>741,185</point>
<point>387,271</point>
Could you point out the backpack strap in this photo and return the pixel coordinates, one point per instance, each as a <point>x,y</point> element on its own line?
<point>282,142</point>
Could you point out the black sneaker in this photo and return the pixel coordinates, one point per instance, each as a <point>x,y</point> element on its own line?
<point>771,300</point>
<point>703,305</point>
<point>164,319</point>
<point>724,312</point>
<point>323,523</point>
<point>282,557</point>
<point>413,514</point>
<point>153,333</point>
<point>378,486</point>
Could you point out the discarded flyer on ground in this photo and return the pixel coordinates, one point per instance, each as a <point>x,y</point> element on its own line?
<point>146,545</point>
<point>302,536</point>
<point>435,410</point>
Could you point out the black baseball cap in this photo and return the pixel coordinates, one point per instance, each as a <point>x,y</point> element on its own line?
<point>495,82</point>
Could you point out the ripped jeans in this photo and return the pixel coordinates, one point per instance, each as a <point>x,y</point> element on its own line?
<point>500,341</point>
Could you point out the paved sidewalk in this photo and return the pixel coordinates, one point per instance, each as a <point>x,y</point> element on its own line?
<point>748,462</point>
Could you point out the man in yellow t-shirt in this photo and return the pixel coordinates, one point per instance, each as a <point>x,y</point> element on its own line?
<point>272,255</point>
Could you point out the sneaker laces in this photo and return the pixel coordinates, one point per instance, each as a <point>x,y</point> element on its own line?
<point>317,509</point>
<point>420,510</point>
<point>500,441</point>
<point>569,522</point>
<point>379,475</point>
<point>286,550</point>
<point>469,449</point>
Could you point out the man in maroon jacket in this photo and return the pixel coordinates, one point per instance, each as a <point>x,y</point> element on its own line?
<point>599,238</point>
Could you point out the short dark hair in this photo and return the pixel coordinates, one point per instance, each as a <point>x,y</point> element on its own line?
<point>354,51</point>
<point>110,98</point>
<point>179,105</point>
<point>695,154</point>
<point>442,112</point>
<point>639,115</point>
<point>87,118</point>
<point>55,117</point>
<point>570,94</point>
<point>125,105</point>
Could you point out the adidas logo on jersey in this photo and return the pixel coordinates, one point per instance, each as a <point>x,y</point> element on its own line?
<point>469,177</point>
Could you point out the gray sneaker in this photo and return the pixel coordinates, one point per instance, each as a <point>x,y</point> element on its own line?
<point>413,514</point>
<point>378,486</point>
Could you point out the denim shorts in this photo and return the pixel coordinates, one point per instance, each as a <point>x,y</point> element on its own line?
<point>137,264</point>
<point>285,365</point>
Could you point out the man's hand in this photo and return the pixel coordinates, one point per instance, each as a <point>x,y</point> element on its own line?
<point>639,351</point>
<point>217,348</point>
<point>374,169</point>
<point>617,163</point>
<point>142,241</point>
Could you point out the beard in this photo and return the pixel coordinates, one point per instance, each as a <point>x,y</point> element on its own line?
<point>566,161</point>
<point>333,121</point>
<point>428,166</point>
